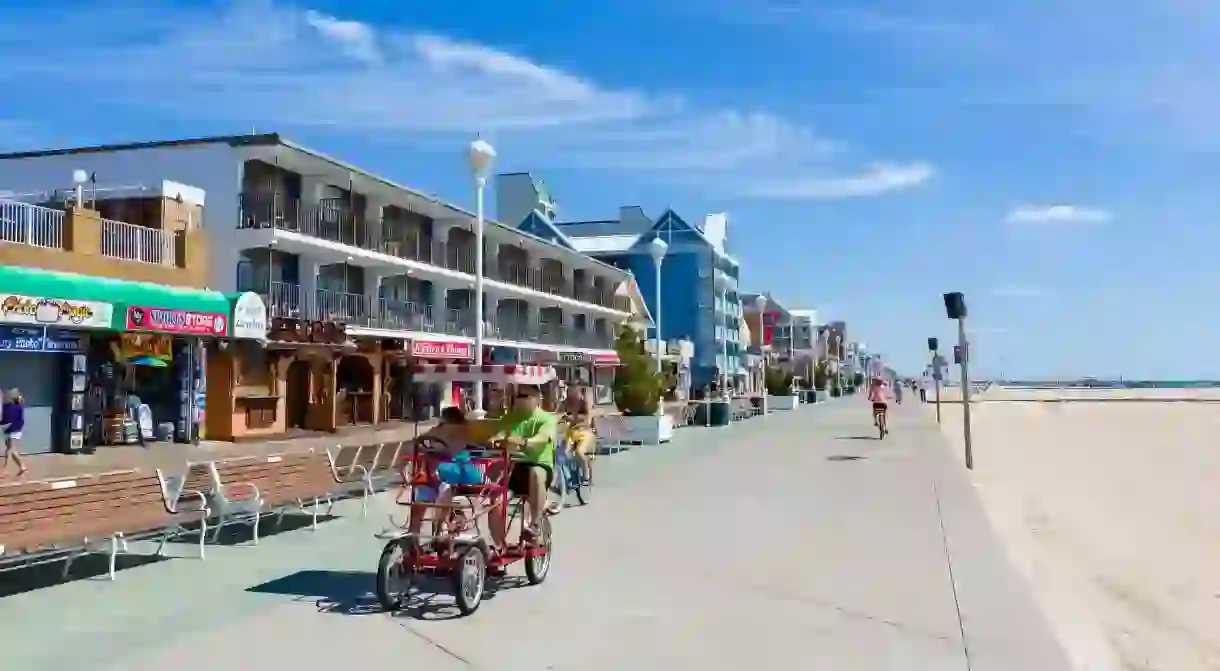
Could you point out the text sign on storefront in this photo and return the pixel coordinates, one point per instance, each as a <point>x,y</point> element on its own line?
<point>187,322</point>
<point>433,349</point>
<point>38,339</point>
<point>572,357</point>
<point>18,309</point>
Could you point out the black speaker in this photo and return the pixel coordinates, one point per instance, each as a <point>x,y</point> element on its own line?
<point>933,344</point>
<point>955,305</point>
<point>957,354</point>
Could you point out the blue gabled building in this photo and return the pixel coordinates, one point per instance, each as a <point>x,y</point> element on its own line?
<point>699,278</point>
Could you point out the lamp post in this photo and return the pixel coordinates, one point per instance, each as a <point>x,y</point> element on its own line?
<point>657,249</point>
<point>482,155</point>
<point>955,308</point>
<point>933,347</point>
<point>760,306</point>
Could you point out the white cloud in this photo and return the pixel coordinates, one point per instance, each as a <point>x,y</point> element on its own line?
<point>875,180</point>
<point>1057,214</point>
<point>356,39</point>
<point>280,67</point>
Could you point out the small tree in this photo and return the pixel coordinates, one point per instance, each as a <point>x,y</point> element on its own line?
<point>637,388</point>
<point>779,382</point>
<point>857,380</point>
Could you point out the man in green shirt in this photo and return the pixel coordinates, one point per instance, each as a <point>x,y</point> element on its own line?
<point>530,431</point>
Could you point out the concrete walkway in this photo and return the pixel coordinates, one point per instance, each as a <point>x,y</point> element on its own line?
<point>790,541</point>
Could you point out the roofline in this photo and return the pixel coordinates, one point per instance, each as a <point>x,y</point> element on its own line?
<point>270,139</point>
<point>254,139</point>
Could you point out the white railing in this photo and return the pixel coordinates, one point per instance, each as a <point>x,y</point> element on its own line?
<point>27,224</point>
<point>121,240</point>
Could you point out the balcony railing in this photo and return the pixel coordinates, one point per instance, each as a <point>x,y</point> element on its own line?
<point>130,242</point>
<point>331,219</point>
<point>26,224</point>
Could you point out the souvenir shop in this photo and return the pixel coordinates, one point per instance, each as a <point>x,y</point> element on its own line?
<point>104,361</point>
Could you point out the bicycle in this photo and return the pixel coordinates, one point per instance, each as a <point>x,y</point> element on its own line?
<point>568,474</point>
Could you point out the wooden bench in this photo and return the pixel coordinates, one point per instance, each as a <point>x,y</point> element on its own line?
<point>243,489</point>
<point>62,519</point>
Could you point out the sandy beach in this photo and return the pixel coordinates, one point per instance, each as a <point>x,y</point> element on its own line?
<point>1112,510</point>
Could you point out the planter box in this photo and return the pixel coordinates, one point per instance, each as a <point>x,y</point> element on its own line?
<point>782,402</point>
<point>722,414</point>
<point>646,430</point>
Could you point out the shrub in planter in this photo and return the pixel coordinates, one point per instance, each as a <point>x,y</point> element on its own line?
<point>779,382</point>
<point>857,380</point>
<point>821,377</point>
<point>637,388</point>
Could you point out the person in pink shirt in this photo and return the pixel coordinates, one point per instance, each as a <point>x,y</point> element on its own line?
<point>878,395</point>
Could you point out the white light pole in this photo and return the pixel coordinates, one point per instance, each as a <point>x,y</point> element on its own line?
<point>760,306</point>
<point>657,249</point>
<point>481,156</point>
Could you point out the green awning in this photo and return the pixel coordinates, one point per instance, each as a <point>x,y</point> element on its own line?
<point>187,310</point>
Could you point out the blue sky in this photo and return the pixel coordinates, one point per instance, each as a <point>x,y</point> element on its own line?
<point>1056,161</point>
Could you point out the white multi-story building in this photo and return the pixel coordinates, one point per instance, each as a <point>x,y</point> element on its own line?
<point>323,240</point>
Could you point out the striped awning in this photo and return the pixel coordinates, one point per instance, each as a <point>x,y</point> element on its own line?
<point>495,373</point>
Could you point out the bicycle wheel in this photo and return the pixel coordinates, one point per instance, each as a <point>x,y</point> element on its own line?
<point>537,567</point>
<point>584,486</point>
<point>395,574</point>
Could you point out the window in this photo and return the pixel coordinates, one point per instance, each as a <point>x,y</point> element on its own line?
<point>253,366</point>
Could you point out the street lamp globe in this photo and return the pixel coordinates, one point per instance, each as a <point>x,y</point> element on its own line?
<point>656,249</point>
<point>482,155</point>
<point>760,303</point>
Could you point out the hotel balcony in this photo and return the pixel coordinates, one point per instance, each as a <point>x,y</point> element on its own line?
<point>288,300</point>
<point>328,213</point>
<point>171,250</point>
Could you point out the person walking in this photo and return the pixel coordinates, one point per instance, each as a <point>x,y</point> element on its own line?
<point>12,419</point>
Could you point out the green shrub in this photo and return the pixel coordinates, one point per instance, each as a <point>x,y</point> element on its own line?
<point>779,382</point>
<point>820,375</point>
<point>637,388</point>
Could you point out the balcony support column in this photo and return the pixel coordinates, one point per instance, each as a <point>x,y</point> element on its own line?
<point>309,287</point>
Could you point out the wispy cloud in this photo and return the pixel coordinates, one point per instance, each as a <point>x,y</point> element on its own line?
<point>876,180</point>
<point>271,64</point>
<point>1057,214</point>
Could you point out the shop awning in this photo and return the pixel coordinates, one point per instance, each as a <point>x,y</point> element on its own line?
<point>133,306</point>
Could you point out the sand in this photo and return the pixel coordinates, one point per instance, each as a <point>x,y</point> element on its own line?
<point>1112,511</point>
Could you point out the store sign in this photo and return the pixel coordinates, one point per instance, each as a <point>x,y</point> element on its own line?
<point>187,322</point>
<point>250,317</point>
<point>38,339</point>
<point>435,349</point>
<point>572,357</point>
<point>602,360</point>
<point>18,309</point>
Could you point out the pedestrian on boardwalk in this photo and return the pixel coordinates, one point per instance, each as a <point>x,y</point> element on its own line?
<point>12,419</point>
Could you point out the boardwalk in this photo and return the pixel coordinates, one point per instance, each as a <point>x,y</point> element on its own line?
<point>791,541</point>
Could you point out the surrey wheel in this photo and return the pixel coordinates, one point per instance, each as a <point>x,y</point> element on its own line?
<point>395,574</point>
<point>536,567</point>
<point>469,579</point>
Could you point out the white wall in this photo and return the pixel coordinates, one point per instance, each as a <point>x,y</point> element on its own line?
<point>214,168</point>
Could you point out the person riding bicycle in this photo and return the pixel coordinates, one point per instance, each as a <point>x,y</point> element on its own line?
<point>579,435</point>
<point>878,396</point>
<point>530,433</point>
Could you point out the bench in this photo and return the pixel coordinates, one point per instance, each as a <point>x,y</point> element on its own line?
<point>354,465</point>
<point>61,519</point>
<point>243,489</point>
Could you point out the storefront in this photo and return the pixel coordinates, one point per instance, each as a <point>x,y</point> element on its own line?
<point>428,399</point>
<point>40,350</point>
<point>77,346</point>
<point>245,384</point>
